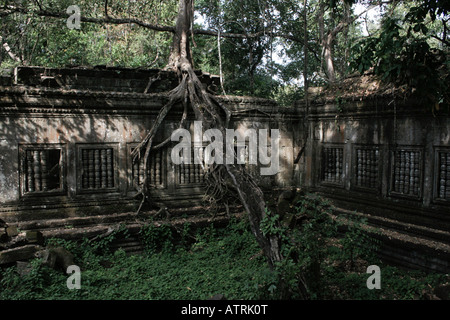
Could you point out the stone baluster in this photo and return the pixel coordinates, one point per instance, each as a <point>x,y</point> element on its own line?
<point>151,170</point>
<point>43,155</point>
<point>416,186</point>
<point>110,167</point>
<point>365,167</point>
<point>442,175</point>
<point>375,168</point>
<point>396,173</point>
<point>193,168</point>
<point>447,177</point>
<point>85,173</point>
<point>335,167</point>
<point>181,173</point>
<point>136,171</point>
<point>331,164</point>
<point>97,169</point>
<point>196,173</point>
<point>37,171</point>
<point>187,170</point>
<point>402,172</point>
<point>91,169</point>
<point>409,172</point>
<point>359,167</point>
<point>104,177</point>
<point>158,168</point>
<point>30,171</point>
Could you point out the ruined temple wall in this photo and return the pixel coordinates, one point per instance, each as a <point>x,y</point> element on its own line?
<point>380,156</point>
<point>70,134</point>
<point>84,124</point>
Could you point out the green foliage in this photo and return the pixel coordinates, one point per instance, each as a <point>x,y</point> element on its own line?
<point>303,247</point>
<point>48,42</point>
<point>357,242</point>
<point>157,237</point>
<point>331,253</point>
<point>311,238</point>
<point>405,53</point>
<point>244,70</point>
<point>270,225</point>
<point>28,286</point>
<point>408,49</point>
<point>225,260</point>
<point>286,95</point>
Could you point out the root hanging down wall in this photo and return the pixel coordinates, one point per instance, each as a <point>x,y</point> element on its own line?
<point>67,138</point>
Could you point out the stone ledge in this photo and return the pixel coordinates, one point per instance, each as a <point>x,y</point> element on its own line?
<point>407,245</point>
<point>20,253</point>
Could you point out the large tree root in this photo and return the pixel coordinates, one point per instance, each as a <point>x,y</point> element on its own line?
<point>191,92</point>
<point>214,115</point>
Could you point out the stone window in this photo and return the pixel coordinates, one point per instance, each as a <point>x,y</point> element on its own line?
<point>332,164</point>
<point>195,173</point>
<point>443,174</point>
<point>98,167</point>
<point>367,167</point>
<point>407,172</point>
<point>157,171</point>
<point>191,173</point>
<point>42,169</point>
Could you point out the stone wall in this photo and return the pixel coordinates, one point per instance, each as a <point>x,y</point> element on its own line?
<point>384,156</point>
<point>66,137</point>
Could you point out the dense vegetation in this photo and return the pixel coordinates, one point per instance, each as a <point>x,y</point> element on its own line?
<point>196,264</point>
<point>266,48</point>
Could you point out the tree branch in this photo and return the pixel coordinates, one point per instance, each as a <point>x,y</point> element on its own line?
<point>38,4</point>
<point>447,43</point>
<point>45,13</point>
<point>345,23</point>
<point>9,51</point>
<point>8,10</point>
<point>106,9</point>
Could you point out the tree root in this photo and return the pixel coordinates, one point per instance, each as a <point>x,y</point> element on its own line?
<point>213,115</point>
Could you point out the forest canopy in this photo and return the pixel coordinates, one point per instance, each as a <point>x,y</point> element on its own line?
<point>263,48</point>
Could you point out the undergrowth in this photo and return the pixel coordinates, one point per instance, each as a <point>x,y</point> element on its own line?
<point>191,265</point>
<point>198,263</point>
<point>332,253</point>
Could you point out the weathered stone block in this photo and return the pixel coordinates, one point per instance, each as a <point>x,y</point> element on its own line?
<point>12,231</point>
<point>35,237</point>
<point>21,253</point>
<point>56,258</point>
<point>23,267</point>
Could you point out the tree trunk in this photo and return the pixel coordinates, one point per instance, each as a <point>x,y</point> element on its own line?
<point>305,52</point>
<point>180,56</point>
<point>326,42</point>
<point>213,115</point>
